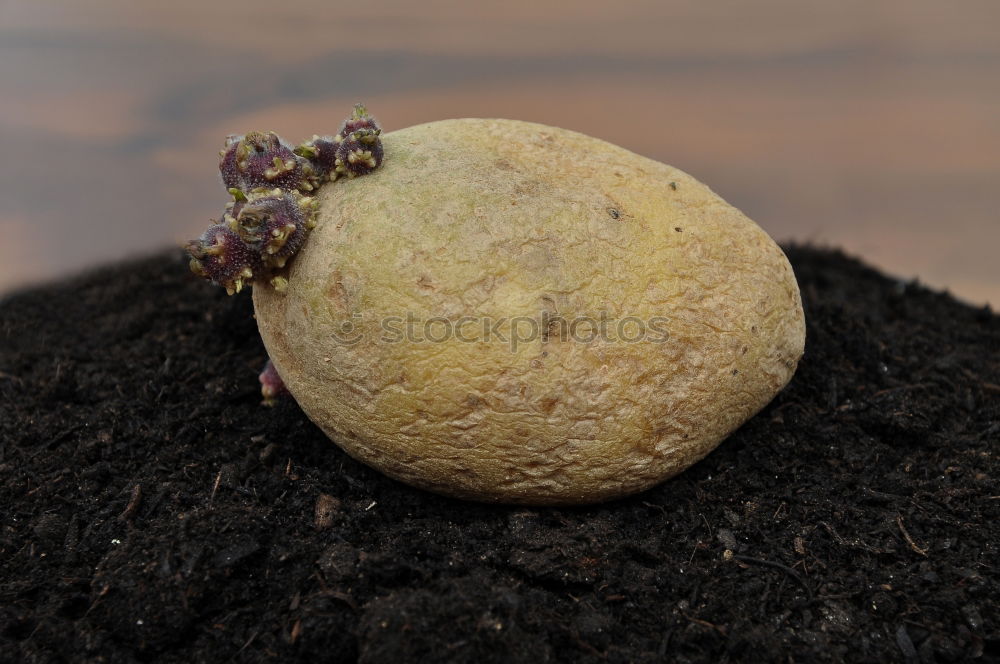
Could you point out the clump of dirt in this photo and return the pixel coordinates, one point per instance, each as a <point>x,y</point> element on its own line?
<point>154,510</point>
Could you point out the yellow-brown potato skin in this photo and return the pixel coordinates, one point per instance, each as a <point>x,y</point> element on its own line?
<point>499,218</point>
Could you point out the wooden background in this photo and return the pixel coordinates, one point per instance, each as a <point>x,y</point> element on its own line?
<point>874,126</point>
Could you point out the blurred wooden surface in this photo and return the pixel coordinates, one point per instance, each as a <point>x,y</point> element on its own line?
<point>871,126</point>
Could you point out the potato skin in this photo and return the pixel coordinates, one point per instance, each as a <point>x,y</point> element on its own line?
<point>500,219</point>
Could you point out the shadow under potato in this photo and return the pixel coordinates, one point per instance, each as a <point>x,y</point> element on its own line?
<point>156,511</point>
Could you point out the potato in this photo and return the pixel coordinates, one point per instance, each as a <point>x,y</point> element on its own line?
<point>405,331</point>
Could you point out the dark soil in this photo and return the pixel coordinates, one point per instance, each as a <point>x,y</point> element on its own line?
<point>153,510</point>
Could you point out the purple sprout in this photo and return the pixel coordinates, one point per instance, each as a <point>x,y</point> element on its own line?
<point>321,151</point>
<point>329,159</point>
<point>360,153</point>
<point>261,159</point>
<point>271,385</point>
<point>221,256</point>
<point>360,119</point>
<point>274,224</point>
<point>270,216</point>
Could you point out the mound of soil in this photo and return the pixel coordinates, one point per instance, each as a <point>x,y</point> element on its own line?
<point>154,510</point>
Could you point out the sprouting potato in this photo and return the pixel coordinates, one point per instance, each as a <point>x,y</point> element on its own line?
<point>511,312</point>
